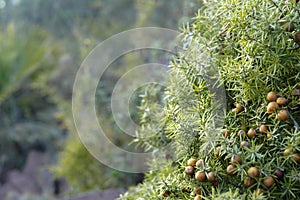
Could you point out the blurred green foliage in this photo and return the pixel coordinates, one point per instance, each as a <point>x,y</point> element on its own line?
<point>85,173</point>
<point>26,121</point>
<point>37,36</point>
<point>147,13</point>
<point>21,55</point>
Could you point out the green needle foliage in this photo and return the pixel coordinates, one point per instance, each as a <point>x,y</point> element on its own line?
<point>250,48</point>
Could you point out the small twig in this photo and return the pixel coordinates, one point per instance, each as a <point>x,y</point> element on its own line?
<point>296,125</point>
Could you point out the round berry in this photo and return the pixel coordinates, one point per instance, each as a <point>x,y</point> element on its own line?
<point>282,115</point>
<point>239,107</point>
<point>251,133</point>
<point>199,163</point>
<point>248,181</point>
<point>272,107</point>
<point>200,176</point>
<point>211,176</point>
<point>166,193</point>
<point>197,197</point>
<point>296,92</point>
<point>268,181</point>
<point>197,190</point>
<point>296,157</point>
<point>263,129</point>
<point>189,170</point>
<point>244,144</point>
<point>191,162</point>
<point>297,38</point>
<point>290,28</point>
<point>271,96</point>
<point>236,159</point>
<point>253,172</point>
<point>281,101</point>
<point>287,152</point>
<point>230,169</point>
<point>226,133</point>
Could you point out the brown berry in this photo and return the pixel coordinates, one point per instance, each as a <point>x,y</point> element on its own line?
<point>184,189</point>
<point>290,28</point>
<point>282,115</point>
<point>211,176</point>
<point>296,92</point>
<point>244,144</point>
<point>226,133</point>
<point>248,181</point>
<point>272,107</point>
<point>239,107</point>
<point>166,193</point>
<point>189,170</point>
<point>199,163</point>
<point>236,159</point>
<point>197,197</point>
<point>287,152</point>
<point>297,38</point>
<point>230,169</point>
<point>197,190</point>
<point>268,181</point>
<point>281,101</point>
<point>200,176</point>
<point>253,172</point>
<point>251,133</point>
<point>191,162</point>
<point>271,96</point>
<point>296,157</point>
<point>263,129</point>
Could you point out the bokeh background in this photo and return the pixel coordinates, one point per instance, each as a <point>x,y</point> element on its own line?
<point>42,44</point>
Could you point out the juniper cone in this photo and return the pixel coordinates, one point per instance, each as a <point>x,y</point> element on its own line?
<point>254,55</point>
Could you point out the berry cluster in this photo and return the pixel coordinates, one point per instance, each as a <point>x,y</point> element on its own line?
<point>277,105</point>
<point>201,175</point>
